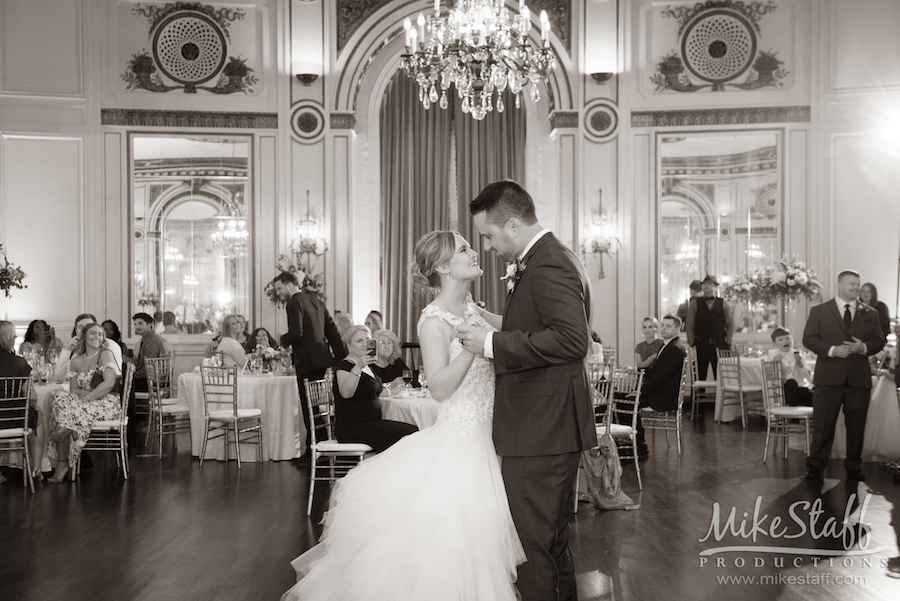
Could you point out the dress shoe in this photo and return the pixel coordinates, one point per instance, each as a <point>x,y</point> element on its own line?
<point>302,461</point>
<point>856,475</point>
<point>813,472</point>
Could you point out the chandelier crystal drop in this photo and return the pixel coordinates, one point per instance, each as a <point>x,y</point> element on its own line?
<point>480,47</point>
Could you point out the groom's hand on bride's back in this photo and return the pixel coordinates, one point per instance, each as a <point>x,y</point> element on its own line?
<point>472,338</point>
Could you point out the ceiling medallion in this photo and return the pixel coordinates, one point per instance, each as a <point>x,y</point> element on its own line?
<point>480,47</point>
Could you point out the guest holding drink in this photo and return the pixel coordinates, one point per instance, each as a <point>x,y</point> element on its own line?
<point>12,366</point>
<point>232,352</point>
<point>388,365</point>
<point>357,410</point>
<point>260,337</point>
<point>73,412</point>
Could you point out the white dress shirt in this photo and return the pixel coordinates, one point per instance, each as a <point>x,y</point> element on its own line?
<point>842,306</point>
<point>489,339</point>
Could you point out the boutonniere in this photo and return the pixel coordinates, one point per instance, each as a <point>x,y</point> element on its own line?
<point>513,273</point>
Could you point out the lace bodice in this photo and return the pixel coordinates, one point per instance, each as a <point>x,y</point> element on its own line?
<point>473,402</point>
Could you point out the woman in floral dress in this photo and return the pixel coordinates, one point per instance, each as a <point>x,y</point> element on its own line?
<point>73,412</point>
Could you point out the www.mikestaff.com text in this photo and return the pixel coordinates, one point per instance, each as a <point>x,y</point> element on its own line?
<point>792,579</point>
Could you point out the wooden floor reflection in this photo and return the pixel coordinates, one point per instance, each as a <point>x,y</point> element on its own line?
<point>176,531</point>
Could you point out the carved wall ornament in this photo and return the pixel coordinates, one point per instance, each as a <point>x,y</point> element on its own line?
<point>721,116</point>
<point>342,120</point>
<point>718,44</point>
<point>601,121</point>
<point>221,120</point>
<point>307,122</point>
<point>189,43</point>
<point>564,119</point>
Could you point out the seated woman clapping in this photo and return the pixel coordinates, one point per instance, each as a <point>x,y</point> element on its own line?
<point>12,366</point>
<point>232,351</point>
<point>357,410</point>
<point>388,365</point>
<point>89,399</point>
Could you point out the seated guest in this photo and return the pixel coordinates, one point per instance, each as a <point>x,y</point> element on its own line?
<point>41,336</point>
<point>374,321</point>
<point>343,322</point>
<point>357,411</point>
<point>232,352</point>
<point>388,365</point>
<point>158,322</point>
<point>260,337</point>
<point>662,380</point>
<point>169,323</point>
<point>646,350</point>
<point>113,333</point>
<point>65,355</point>
<point>73,412</point>
<point>12,366</point>
<point>796,378</point>
<point>151,345</point>
<point>244,333</point>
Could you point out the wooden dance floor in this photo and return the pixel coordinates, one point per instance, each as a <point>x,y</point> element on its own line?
<point>175,531</point>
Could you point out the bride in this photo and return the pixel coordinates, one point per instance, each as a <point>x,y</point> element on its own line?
<point>428,518</point>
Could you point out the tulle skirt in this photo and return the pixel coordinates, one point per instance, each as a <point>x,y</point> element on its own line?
<point>425,520</point>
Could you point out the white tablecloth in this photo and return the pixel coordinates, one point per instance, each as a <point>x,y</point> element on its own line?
<point>881,441</point>
<point>279,399</point>
<point>419,411</point>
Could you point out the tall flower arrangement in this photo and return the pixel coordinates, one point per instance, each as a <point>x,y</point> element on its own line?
<point>293,263</point>
<point>11,276</point>
<point>788,279</point>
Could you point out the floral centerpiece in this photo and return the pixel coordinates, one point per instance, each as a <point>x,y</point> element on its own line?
<point>788,279</point>
<point>11,276</point>
<point>310,284</point>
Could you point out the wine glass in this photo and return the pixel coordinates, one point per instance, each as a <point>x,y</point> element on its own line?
<point>423,381</point>
<point>407,376</point>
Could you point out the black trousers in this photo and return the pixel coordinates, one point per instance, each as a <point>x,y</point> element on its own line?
<point>378,434</point>
<point>540,493</point>
<point>313,375</point>
<point>796,395</point>
<point>827,403</point>
<point>706,356</point>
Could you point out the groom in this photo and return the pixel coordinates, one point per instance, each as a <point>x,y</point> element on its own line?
<point>543,415</point>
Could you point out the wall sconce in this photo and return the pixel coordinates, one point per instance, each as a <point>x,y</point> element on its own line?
<point>600,239</point>
<point>307,78</point>
<point>601,78</point>
<point>309,243</point>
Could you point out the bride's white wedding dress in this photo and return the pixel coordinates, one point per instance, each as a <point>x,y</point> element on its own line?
<point>426,519</point>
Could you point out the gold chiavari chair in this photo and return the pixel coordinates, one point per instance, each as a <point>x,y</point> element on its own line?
<point>624,402</point>
<point>782,421</point>
<point>221,413</point>
<point>701,390</point>
<point>14,432</point>
<point>342,456</point>
<point>734,391</point>
<point>167,417</point>
<point>111,436</point>
<point>670,421</point>
<point>601,382</point>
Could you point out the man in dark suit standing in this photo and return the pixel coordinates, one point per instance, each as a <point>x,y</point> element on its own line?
<point>843,332</point>
<point>543,417</point>
<point>310,334</point>
<point>710,326</point>
<point>663,378</point>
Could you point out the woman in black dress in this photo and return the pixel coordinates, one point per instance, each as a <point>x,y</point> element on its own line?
<point>388,365</point>
<point>357,411</point>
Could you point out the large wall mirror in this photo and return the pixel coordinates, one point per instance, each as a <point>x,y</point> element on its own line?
<point>192,221</point>
<point>720,212</point>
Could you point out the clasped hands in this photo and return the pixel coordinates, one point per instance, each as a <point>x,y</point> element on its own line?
<point>472,335</point>
<point>856,346</point>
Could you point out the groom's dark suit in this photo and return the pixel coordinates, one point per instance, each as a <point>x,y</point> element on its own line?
<point>838,381</point>
<point>543,415</point>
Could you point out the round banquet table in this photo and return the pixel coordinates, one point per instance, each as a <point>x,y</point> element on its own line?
<point>881,441</point>
<point>277,396</point>
<point>418,410</point>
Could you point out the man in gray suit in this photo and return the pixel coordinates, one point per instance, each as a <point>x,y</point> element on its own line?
<point>543,416</point>
<point>843,332</point>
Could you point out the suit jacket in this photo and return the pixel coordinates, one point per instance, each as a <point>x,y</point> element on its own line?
<point>310,334</point>
<point>543,402</point>
<point>663,378</point>
<point>825,328</point>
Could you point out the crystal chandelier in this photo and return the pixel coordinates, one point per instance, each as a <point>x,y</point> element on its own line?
<point>231,239</point>
<point>480,47</point>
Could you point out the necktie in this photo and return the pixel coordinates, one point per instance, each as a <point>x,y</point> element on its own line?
<point>848,319</point>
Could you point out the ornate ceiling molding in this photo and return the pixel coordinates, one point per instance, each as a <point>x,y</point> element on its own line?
<point>148,118</point>
<point>721,116</point>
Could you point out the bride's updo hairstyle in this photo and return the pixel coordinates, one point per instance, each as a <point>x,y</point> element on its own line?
<point>432,250</point>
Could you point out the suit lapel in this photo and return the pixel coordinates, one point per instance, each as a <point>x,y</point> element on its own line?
<point>540,242</point>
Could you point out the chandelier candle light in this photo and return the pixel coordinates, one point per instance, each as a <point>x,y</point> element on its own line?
<point>480,47</point>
